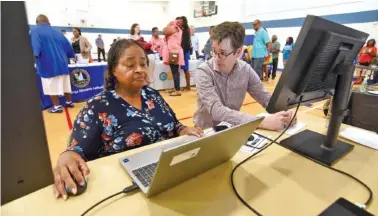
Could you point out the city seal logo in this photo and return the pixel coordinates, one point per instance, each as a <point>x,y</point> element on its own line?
<point>163,76</point>
<point>80,78</point>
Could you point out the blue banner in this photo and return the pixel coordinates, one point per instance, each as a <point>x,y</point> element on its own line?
<point>86,81</point>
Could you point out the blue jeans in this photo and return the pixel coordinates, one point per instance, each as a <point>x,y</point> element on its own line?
<point>176,76</point>
<point>257,64</point>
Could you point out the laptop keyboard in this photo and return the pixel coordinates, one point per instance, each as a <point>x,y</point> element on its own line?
<point>145,173</point>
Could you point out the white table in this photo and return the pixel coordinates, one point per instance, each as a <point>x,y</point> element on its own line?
<point>163,79</point>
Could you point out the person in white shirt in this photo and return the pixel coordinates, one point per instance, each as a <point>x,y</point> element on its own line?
<point>195,41</point>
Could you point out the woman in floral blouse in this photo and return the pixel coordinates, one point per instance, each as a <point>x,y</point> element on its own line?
<point>127,115</point>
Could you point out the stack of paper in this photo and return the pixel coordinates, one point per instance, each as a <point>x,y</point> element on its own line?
<point>363,137</point>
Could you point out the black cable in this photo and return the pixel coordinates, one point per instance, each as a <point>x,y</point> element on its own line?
<point>370,198</point>
<point>125,191</point>
<point>262,149</point>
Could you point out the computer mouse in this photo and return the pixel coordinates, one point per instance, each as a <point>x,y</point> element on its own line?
<point>251,138</point>
<point>220,128</point>
<point>79,189</point>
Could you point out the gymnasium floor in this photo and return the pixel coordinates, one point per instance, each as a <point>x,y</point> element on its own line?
<point>57,129</point>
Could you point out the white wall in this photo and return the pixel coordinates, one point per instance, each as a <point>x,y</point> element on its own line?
<point>100,14</point>
<point>110,14</point>
<point>113,14</point>
<point>245,11</point>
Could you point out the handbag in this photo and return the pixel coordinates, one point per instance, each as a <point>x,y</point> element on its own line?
<point>173,58</point>
<point>146,46</point>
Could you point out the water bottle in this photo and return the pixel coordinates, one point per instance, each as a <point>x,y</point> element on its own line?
<point>157,56</point>
<point>363,86</point>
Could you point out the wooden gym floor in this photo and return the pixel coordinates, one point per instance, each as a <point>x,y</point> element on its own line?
<point>57,129</point>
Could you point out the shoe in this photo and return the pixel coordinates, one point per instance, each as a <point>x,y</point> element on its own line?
<point>176,93</point>
<point>171,90</point>
<point>56,110</point>
<point>70,104</point>
<point>187,89</point>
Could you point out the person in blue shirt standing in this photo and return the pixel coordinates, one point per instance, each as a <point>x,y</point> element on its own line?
<point>51,50</point>
<point>261,45</point>
<point>207,49</point>
<point>286,50</point>
<point>100,48</point>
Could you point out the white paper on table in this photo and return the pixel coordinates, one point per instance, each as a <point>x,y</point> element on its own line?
<point>363,137</point>
<point>293,129</point>
<point>373,92</point>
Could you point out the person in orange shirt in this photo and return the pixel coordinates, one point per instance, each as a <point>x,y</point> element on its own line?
<point>367,53</point>
<point>365,57</point>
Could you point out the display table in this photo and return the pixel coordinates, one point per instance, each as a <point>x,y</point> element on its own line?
<point>363,111</point>
<point>162,76</point>
<point>370,71</point>
<point>276,182</point>
<point>87,80</point>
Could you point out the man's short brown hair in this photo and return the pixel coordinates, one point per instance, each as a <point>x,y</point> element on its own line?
<point>232,30</point>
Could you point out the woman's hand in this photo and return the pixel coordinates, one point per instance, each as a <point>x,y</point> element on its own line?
<point>69,164</point>
<point>192,131</point>
<point>278,121</point>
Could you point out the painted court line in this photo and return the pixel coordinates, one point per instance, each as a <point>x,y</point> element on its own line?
<point>68,118</point>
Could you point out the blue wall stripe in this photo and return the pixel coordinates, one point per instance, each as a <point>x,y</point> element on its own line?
<point>345,18</point>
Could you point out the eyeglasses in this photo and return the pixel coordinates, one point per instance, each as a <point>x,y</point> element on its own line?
<point>221,55</point>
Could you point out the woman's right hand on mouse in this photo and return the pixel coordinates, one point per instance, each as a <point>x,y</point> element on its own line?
<point>70,164</point>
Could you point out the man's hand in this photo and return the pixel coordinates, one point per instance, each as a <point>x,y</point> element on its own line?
<point>192,131</point>
<point>278,121</point>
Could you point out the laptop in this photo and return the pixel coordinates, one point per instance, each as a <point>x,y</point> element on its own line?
<point>158,169</point>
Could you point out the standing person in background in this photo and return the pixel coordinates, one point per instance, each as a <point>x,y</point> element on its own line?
<point>135,35</point>
<point>186,44</point>
<point>114,40</point>
<point>173,54</point>
<point>367,53</point>
<point>63,32</point>
<point>286,50</point>
<point>135,32</point>
<point>365,58</point>
<point>81,46</point>
<point>261,45</point>
<point>276,46</point>
<point>100,48</point>
<point>207,49</point>
<point>156,42</point>
<point>195,41</point>
<point>51,50</point>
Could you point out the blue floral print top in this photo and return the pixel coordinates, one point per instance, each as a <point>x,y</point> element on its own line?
<point>108,124</point>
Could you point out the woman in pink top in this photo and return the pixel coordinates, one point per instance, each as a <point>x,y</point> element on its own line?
<point>173,37</point>
<point>156,42</point>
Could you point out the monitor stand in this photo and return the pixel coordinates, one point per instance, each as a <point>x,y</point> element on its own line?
<point>327,149</point>
<point>310,143</point>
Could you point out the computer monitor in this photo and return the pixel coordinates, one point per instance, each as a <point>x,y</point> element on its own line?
<point>320,65</point>
<point>25,159</point>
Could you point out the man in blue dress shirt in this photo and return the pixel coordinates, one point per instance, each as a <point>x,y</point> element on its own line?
<point>51,51</point>
<point>261,46</point>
